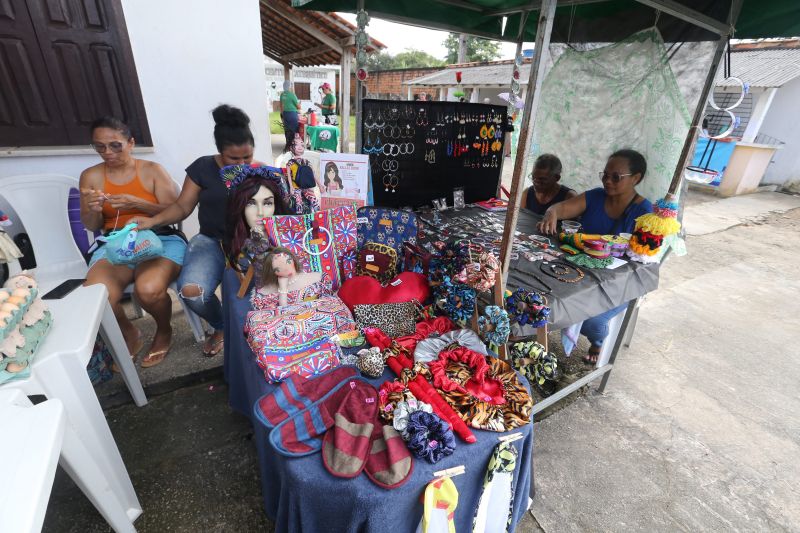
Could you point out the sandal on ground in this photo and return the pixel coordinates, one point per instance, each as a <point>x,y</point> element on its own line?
<point>215,348</point>
<point>137,348</point>
<point>155,358</point>
<point>591,357</point>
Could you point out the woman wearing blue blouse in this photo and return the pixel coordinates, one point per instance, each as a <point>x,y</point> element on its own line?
<point>608,210</point>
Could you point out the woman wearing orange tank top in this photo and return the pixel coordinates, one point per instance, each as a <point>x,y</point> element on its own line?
<point>113,192</point>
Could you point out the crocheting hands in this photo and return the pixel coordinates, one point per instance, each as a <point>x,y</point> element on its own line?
<point>94,199</point>
<point>124,201</point>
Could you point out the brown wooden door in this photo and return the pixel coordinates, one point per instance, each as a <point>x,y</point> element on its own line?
<point>87,54</point>
<point>29,112</point>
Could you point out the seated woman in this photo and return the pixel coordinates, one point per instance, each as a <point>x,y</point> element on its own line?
<point>283,282</point>
<point>112,193</point>
<point>608,210</point>
<point>546,190</point>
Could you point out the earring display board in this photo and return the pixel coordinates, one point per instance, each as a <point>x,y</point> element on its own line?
<point>420,151</point>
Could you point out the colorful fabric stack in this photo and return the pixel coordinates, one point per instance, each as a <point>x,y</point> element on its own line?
<point>651,230</point>
<point>336,413</point>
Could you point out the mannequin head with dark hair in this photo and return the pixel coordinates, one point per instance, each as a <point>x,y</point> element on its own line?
<point>256,198</point>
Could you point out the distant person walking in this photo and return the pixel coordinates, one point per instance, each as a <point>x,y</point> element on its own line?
<point>328,104</point>
<point>290,109</point>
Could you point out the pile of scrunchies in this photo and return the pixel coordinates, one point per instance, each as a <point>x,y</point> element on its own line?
<point>427,436</point>
<point>480,275</point>
<point>527,308</point>
<point>494,325</point>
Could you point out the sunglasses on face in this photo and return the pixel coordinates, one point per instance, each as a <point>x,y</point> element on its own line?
<point>115,147</point>
<point>614,177</point>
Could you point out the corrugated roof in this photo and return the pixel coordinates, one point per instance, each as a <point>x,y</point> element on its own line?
<point>487,75</point>
<point>763,68</point>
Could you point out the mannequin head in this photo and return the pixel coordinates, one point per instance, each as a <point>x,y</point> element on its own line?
<point>296,147</point>
<point>280,263</point>
<point>255,198</point>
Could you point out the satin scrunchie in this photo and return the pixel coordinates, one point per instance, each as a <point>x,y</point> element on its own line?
<point>430,437</point>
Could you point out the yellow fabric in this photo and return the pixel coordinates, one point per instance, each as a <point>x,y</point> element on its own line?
<point>440,494</point>
<point>652,223</point>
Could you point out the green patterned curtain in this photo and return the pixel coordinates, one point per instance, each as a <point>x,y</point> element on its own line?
<point>619,96</point>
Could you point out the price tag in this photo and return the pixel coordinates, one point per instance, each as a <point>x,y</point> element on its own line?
<point>385,222</point>
<point>396,282</point>
<point>317,242</point>
<point>373,268</point>
<point>362,220</point>
<point>370,258</point>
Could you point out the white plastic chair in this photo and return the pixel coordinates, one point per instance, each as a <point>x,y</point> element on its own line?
<point>40,201</point>
<point>42,438</point>
<point>191,317</point>
<point>58,371</point>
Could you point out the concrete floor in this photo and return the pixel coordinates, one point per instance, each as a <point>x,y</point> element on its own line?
<point>699,429</point>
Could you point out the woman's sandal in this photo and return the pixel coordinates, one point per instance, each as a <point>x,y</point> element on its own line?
<point>137,348</point>
<point>591,357</point>
<point>155,358</point>
<point>216,348</point>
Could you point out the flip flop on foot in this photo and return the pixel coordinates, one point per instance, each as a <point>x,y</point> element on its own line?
<point>591,357</point>
<point>212,347</point>
<point>155,358</point>
<point>137,347</point>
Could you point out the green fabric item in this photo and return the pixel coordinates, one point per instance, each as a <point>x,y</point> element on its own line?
<point>609,21</point>
<point>329,99</point>
<point>323,137</point>
<point>586,261</point>
<point>289,101</point>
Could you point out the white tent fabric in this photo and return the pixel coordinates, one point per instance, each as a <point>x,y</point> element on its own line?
<point>619,96</point>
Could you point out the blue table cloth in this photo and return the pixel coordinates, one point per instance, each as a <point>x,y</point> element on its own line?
<point>300,495</point>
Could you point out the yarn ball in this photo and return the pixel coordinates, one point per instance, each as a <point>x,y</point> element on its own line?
<point>429,437</point>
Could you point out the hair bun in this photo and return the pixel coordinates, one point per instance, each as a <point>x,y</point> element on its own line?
<point>233,117</point>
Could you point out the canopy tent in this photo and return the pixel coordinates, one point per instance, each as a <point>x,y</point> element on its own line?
<point>580,20</point>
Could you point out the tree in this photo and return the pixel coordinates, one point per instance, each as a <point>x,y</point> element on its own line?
<point>480,50</point>
<point>409,58</point>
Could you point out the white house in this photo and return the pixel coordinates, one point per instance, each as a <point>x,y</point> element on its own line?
<point>164,64</point>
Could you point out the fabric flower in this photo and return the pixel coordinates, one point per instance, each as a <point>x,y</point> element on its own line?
<point>429,437</point>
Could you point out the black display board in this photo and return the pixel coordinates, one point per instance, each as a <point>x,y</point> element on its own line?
<point>420,151</point>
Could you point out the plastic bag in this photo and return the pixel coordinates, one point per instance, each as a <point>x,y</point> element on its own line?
<point>129,246</point>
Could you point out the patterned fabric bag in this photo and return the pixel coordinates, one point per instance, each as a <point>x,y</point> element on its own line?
<point>324,241</point>
<point>391,227</point>
<point>306,361</point>
<point>395,320</point>
<point>377,261</point>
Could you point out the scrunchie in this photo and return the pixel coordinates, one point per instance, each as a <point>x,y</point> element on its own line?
<point>457,299</point>
<point>480,275</point>
<point>403,411</point>
<point>527,308</point>
<point>494,325</point>
<point>430,437</point>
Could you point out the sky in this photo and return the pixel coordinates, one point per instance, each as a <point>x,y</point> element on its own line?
<point>398,37</point>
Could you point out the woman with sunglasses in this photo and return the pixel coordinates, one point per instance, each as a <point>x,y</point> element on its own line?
<point>205,260</point>
<point>608,210</point>
<point>114,193</point>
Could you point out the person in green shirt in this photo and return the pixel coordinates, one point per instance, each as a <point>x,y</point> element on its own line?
<point>290,107</point>
<point>328,105</point>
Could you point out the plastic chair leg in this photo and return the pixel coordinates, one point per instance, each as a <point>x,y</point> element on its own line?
<point>77,462</point>
<point>138,312</point>
<point>65,378</point>
<point>112,335</point>
<point>194,322</point>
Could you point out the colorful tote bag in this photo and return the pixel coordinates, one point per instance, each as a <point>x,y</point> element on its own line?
<point>306,361</point>
<point>391,227</point>
<point>324,241</point>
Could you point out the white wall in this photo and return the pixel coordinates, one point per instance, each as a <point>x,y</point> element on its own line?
<point>781,122</point>
<point>185,62</point>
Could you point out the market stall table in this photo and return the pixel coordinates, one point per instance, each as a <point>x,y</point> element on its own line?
<point>323,137</point>
<point>300,495</point>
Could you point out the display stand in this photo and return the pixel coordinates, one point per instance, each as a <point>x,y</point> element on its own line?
<point>421,151</point>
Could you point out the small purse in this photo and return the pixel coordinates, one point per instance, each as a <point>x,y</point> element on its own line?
<point>416,259</point>
<point>377,261</point>
<point>395,320</point>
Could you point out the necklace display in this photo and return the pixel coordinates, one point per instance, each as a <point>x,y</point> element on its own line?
<point>562,272</point>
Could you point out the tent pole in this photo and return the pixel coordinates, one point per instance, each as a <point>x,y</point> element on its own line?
<point>344,98</point>
<point>691,136</point>
<point>523,19</point>
<point>359,85</point>
<point>543,30</point>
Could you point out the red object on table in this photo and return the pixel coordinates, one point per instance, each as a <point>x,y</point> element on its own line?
<point>312,119</point>
<point>420,387</point>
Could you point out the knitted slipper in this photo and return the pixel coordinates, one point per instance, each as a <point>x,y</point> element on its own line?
<point>497,498</point>
<point>346,446</point>
<point>301,434</point>
<point>440,501</point>
<point>297,393</point>
<point>389,464</point>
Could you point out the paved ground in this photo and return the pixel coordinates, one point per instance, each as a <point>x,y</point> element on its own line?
<point>699,429</point>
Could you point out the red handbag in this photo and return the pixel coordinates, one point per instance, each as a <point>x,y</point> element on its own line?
<point>363,290</point>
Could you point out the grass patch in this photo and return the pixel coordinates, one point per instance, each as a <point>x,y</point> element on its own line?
<point>275,119</point>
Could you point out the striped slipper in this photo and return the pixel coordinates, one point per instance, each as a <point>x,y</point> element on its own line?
<point>297,393</point>
<point>389,464</point>
<point>301,434</point>
<point>346,446</point>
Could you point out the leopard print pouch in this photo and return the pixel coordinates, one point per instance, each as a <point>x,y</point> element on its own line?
<point>377,261</point>
<point>395,319</point>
